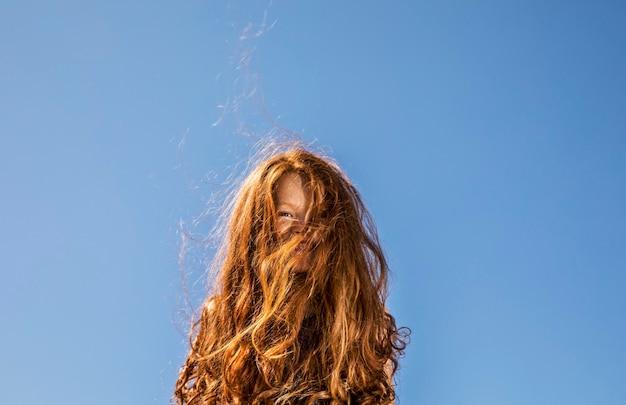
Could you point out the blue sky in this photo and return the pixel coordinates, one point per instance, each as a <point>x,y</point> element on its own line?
<point>487,138</point>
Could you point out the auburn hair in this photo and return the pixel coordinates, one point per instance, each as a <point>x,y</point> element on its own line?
<point>269,334</point>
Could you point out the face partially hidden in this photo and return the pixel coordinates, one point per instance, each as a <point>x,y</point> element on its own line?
<point>293,202</point>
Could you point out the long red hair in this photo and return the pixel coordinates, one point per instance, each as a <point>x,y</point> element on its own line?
<point>269,334</point>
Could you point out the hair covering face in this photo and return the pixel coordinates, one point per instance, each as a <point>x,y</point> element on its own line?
<point>298,313</point>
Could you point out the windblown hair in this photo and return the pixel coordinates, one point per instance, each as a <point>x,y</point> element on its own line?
<point>269,334</point>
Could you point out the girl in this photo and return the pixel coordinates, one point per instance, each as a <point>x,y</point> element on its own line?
<point>298,312</point>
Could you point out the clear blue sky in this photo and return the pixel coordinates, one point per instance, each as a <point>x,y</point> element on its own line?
<point>488,139</point>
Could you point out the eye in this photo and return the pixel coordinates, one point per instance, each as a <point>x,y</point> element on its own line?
<point>285,214</point>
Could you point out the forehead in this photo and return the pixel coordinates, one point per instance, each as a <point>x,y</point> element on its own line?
<point>291,190</point>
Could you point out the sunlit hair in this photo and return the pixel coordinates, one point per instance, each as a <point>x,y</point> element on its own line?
<point>269,334</point>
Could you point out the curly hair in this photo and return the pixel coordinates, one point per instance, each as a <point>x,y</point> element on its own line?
<point>270,334</point>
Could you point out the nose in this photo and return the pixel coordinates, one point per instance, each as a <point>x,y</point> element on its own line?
<point>298,225</point>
